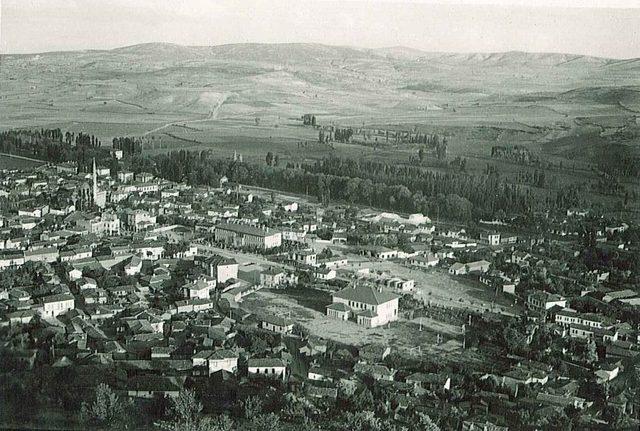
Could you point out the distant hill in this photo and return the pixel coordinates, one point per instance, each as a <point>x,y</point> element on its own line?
<point>159,82</point>
<point>400,52</point>
<point>260,52</point>
<point>156,50</point>
<point>627,96</point>
<point>300,52</point>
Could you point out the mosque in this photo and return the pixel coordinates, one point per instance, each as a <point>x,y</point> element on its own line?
<point>91,195</point>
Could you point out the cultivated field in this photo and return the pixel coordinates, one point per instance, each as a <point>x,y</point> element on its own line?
<point>249,99</point>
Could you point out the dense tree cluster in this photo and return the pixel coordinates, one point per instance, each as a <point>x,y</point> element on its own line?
<point>441,149</point>
<point>430,140</point>
<point>51,145</point>
<point>271,159</point>
<point>343,135</point>
<point>515,153</point>
<point>129,146</point>
<point>536,178</point>
<point>398,187</point>
<point>40,144</point>
<point>309,120</point>
<point>618,159</point>
<point>335,134</point>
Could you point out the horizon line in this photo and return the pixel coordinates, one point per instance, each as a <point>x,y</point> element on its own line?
<point>80,50</point>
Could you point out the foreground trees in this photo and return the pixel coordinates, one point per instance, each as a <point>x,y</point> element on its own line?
<point>107,410</point>
<point>186,413</point>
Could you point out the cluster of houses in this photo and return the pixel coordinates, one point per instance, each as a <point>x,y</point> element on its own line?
<point>168,268</point>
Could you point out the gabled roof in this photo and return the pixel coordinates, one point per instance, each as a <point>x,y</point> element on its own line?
<point>365,295</point>
<point>373,369</point>
<point>339,306</point>
<point>198,285</point>
<point>223,354</point>
<point>218,260</point>
<point>265,362</point>
<point>203,354</point>
<point>276,320</point>
<point>57,298</point>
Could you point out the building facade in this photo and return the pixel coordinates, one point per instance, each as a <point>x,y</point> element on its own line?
<point>241,235</point>
<point>370,307</point>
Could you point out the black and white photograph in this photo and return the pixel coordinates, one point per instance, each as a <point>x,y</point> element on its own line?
<point>320,215</point>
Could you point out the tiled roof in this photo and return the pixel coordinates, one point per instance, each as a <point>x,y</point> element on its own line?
<point>57,298</point>
<point>223,354</point>
<point>276,320</point>
<point>265,362</point>
<point>246,229</point>
<point>218,260</point>
<point>365,295</point>
<point>203,354</point>
<point>339,306</point>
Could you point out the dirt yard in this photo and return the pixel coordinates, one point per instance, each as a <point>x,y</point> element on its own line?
<point>438,287</point>
<point>409,337</point>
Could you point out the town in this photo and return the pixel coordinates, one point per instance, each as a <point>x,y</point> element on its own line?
<point>234,305</point>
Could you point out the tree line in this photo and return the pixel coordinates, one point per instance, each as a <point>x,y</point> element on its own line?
<point>404,188</point>
<point>515,153</point>
<point>51,145</point>
<point>335,134</point>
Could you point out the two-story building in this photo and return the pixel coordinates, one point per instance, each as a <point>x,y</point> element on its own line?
<point>539,300</point>
<point>305,257</point>
<point>221,268</point>
<point>54,305</point>
<point>198,289</point>
<point>370,307</point>
<point>277,324</point>
<point>242,235</point>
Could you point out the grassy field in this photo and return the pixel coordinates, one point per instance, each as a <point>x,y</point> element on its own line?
<point>8,162</point>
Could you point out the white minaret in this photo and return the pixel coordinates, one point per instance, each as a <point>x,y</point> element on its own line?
<point>99,197</point>
<point>95,183</point>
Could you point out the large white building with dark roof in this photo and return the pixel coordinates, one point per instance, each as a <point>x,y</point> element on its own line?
<point>369,306</point>
<point>242,235</point>
<point>53,305</point>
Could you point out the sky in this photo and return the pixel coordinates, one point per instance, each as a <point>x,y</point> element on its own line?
<point>605,28</point>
